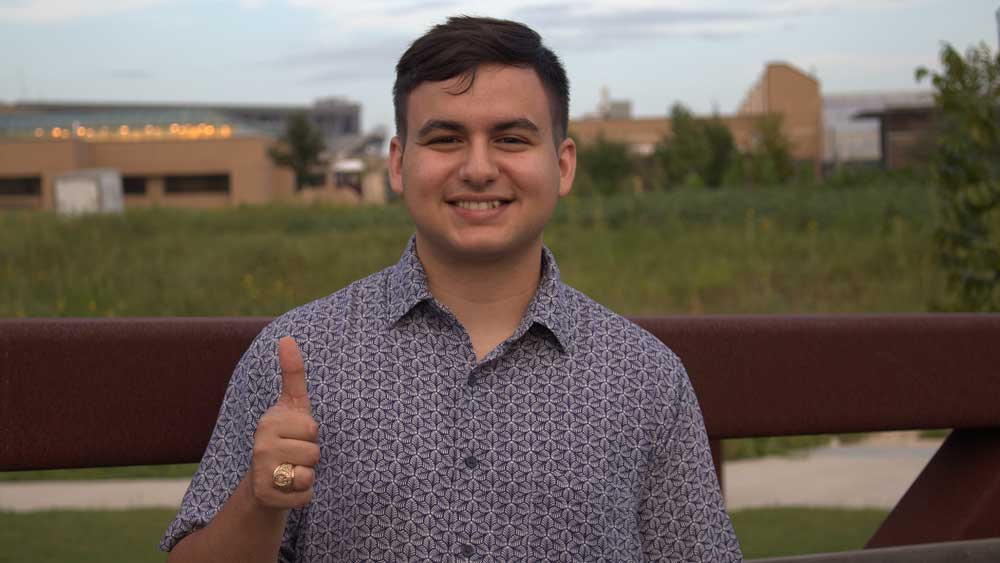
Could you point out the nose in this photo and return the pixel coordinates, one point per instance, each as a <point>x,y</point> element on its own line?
<point>479,170</point>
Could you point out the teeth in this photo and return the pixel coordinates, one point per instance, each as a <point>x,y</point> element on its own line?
<point>478,205</point>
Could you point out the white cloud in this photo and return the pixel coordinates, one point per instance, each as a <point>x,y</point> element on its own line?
<point>47,11</point>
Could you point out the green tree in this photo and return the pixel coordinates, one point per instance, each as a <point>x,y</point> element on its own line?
<point>722,148</point>
<point>772,151</point>
<point>967,171</point>
<point>299,148</point>
<point>686,152</point>
<point>769,161</point>
<point>604,166</point>
<point>698,152</point>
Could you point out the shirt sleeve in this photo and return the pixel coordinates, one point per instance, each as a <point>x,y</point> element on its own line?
<point>682,515</point>
<point>253,388</point>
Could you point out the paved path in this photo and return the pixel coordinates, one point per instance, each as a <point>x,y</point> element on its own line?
<point>855,476</point>
<point>873,474</point>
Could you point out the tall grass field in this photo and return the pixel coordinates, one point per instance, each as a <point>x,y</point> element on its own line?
<point>808,250</point>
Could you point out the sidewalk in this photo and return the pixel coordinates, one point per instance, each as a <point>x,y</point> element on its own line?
<point>875,473</point>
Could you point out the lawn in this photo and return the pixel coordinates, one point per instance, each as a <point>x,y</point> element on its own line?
<point>132,535</point>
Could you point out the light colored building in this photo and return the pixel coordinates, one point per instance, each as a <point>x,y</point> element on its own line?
<point>180,155</point>
<point>781,89</point>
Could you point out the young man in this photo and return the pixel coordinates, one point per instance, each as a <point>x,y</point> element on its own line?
<point>463,403</point>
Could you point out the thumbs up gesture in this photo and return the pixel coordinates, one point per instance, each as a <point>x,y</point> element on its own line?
<point>284,448</point>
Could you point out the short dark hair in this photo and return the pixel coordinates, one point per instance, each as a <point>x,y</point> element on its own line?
<point>462,44</point>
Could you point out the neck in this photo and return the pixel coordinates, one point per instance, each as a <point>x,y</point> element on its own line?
<point>488,296</point>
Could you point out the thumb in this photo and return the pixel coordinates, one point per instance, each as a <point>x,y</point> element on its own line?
<point>293,375</point>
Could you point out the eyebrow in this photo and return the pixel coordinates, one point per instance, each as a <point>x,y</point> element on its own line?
<point>447,125</point>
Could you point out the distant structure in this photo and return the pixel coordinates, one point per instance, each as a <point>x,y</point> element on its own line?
<point>781,89</point>
<point>612,109</point>
<point>853,137</point>
<point>186,155</point>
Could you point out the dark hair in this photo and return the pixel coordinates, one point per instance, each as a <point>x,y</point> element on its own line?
<point>462,44</point>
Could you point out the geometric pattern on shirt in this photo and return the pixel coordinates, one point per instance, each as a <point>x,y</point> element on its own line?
<point>579,438</point>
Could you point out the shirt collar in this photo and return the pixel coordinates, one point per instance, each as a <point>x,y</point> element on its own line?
<point>549,307</point>
<point>407,283</point>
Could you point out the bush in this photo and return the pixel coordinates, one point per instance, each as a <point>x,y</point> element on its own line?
<point>967,171</point>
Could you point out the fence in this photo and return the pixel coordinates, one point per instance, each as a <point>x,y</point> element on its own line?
<point>104,392</point>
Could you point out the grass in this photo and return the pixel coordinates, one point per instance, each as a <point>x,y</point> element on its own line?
<point>83,536</point>
<point>132,535</point>
<point>781,445</point>
<point>175,471</point>
<point>774,532</point>
<point>685,251</point>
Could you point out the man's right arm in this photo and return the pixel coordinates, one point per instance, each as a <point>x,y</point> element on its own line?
<point>250,525</point>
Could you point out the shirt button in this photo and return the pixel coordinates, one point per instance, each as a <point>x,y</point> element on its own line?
<point>468,551</point>
<point>471,462</point>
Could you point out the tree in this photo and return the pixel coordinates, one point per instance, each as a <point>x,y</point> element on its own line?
<point>721,147</point>
<point>769,161</point>
<point>604,165</point>
<point>967,172</point>
<point>685,154</point>
<point>300,147</point>
<point>698,153</point>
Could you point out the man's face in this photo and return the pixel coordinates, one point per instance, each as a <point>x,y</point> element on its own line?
<point>480,173</point>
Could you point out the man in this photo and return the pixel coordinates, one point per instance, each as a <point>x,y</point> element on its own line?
<point>463,403</point>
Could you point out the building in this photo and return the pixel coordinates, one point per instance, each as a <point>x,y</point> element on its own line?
<point>905,132</point>
<point>781,89</point>
<point>182,155</point>
<point>851,140</point>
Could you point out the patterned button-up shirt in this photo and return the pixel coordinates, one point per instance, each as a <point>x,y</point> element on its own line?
<point>579,438</point>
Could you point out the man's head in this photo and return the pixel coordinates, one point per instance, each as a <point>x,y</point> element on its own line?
<point>481,156</point>
<point>463,44</point>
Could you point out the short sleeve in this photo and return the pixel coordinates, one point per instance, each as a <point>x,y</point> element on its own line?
<point>253,388</point>
<point>682,514</point>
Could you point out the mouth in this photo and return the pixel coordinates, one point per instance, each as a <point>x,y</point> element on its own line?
<point>479,205</point>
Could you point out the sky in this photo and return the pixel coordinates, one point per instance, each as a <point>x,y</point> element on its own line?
<point>703,53</point>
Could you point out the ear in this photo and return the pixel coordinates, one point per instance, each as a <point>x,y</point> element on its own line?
<point>396,165</point>
<point>567,166</point>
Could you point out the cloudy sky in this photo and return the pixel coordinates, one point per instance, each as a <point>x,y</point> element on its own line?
<point>704,53</point>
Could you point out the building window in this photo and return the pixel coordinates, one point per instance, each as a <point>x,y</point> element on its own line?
<point>25,186</point>
<point>202,184</point>
<point>134,185</point>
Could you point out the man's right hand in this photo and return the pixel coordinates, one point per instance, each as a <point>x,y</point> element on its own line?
<point>287,433</point>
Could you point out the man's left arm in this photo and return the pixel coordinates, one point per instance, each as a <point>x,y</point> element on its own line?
<point>682,515</point>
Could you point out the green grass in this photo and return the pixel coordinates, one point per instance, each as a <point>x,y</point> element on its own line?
<point>132,535</point>
<point>773,532</point>
<point>176,471</point>
<point>781,445</point>
<point>83,536</point>
<point>686,251</point>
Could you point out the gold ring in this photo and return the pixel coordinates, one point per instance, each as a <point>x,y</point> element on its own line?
<point>283,476</point>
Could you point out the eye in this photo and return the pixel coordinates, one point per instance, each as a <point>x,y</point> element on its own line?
<point>511,140</point>
<point>443,140</point>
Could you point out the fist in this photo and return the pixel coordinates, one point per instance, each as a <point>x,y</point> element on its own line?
<point>287,433</point>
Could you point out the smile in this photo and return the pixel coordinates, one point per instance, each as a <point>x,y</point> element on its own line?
<point>479,205</point>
